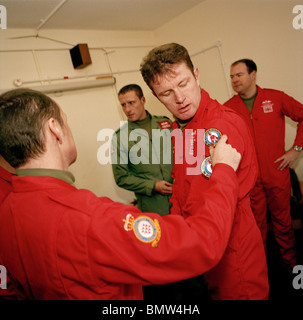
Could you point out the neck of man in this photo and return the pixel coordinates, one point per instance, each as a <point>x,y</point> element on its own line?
<point>250,92</point>
<point>144,115</point>
<point>182,123</point>
<point>46,161</point>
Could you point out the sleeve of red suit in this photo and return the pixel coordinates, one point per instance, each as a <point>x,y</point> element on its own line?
<point>181,249</point>
<point>294,109</point>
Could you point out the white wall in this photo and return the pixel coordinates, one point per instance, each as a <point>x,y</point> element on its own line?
<point>259,29</point>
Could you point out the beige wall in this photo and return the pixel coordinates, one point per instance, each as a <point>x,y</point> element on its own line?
<point>261,30</point>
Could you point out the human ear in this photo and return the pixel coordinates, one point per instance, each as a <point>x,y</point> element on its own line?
<point>253,74</point>
<point>55,129</point>
<point>197,75</point>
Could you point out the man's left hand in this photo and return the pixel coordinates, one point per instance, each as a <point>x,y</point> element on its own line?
<point>288,159</point>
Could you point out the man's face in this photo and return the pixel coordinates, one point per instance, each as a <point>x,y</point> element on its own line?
<point>132,106</point>
<point>179,90</point>
<point>242,81</point>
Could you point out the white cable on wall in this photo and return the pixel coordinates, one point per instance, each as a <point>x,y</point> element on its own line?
<point>37,65</point>
<point>225,73</point>
<point>72,85</point>
<point>43,21</point>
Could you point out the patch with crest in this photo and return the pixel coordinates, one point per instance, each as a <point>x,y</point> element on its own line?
<point>145,229</point>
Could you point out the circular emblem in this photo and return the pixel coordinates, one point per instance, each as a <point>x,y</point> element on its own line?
<point>212,136</point>
<point>145,229</point>
<point>206,167</point>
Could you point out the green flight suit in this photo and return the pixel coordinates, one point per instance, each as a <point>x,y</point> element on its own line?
<point>138,161</point>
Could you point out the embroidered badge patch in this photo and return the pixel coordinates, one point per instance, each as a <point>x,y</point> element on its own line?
<point>267,106</point>
<point>164,124</point>
<point>145,229</point>
<point>212,136</point>
<point>206,167</point>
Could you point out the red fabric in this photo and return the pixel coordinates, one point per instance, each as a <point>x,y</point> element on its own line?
<point>242,272</point>
<point>58,242</point>
<point>5,189</point>
<point>273,188</point>
<point>5,183</point>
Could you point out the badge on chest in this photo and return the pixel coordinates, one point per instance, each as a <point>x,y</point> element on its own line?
<point>206,167</point>
<point>165,124</point>
<point>267,106</point>
<point>211,138</point>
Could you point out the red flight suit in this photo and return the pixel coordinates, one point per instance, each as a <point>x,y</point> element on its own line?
<point>273,187</point>
<point>5,189</point>
<point>242,272</point>
<point>5,183</point>
<point>58,242</point>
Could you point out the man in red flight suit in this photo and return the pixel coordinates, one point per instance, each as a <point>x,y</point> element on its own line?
<point>169,72</point>
<point>264,111</point>
<point>58,242</point>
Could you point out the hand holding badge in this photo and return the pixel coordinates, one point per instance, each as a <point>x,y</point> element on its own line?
<point>211,137</point>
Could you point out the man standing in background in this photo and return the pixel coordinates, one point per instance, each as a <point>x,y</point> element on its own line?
<point>264,111</point>
<point>150,177</point>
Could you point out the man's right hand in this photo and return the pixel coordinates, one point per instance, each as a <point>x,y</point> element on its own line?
<point>163,187</point>
<point>225,153</point>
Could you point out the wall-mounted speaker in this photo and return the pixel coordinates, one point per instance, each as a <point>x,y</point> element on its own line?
<point>80,56</point>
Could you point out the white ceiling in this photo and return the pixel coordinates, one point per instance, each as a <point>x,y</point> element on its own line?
<point>93,14</point>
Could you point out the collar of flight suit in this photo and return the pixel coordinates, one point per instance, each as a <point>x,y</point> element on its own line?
<point>59,174</point>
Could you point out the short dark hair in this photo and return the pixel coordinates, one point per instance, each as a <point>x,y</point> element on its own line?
<point>250,64</point>
<point>132,87</point>
<point>160,60</point>
<point>23,113</point>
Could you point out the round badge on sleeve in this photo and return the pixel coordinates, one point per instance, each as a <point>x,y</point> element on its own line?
<point>145,229</point>
<point>212,136</point>
<point>206,167</point>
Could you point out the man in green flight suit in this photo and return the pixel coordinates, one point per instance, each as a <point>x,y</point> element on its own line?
<point>142,157</point>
